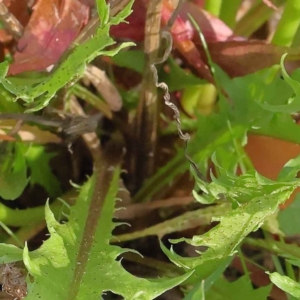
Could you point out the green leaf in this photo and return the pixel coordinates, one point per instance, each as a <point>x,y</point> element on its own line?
<point>294,262</point>
<point>71,69</point>
<point>224,289</point>
<point>103,12</point>
<point>280,126</point>
<point>177,78</point>
<point>10,254</point>
<point>248,92</point>
<point>38,161</point>
<point>259,198</point>
<point>286,284</point>
<point>8,103</point>
<point>122,15</point>
<point>290,170</point>
<point>13,171</point>
<point>244,114</point>
<point>77,261</point>
<point>244,188</point>
<point>199,291</point>
<point>131,59</point>
<point>289,218</point>
<point>295,85</point>
<point>280,102</point>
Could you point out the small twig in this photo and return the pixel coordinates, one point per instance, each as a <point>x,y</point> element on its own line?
<point>138,210</point>
<point>91,139</point>
<point>16,128</point>
<point>175,14</point>
<point>73,126</point>
<point>105,87</point>
<point>11,23</point>
<point>31,118</point>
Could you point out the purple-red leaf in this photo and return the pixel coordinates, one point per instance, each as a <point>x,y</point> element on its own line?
<point>51,29</point>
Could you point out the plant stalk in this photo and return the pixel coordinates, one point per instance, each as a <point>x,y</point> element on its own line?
<point>213,6</point>
<point>228,12</point>
<point>146,123</point>
<point>288,25</point>
<point>255,18</point>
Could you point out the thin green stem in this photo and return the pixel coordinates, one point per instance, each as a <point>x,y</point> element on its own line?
<point>203,289</point>
<point>275,247</point>
<point>213,6</point>
<point>296,41</point>
<point>288,266</point>
<point>209,59</point>
<point>162,178</point>
<point>289,270</point>
<point>212,91</point>
<point>245,162</point>
<point>275,258</point>
<point>12,235</point>
<point>243,262</point>
<point>288,25</point>
<point>255,18</point>
<point>277,264</point>
<point>228,12</point>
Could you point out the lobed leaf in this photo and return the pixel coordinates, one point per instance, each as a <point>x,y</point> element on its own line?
<point>77,261</point>
<point>263,196</point>
<point>224,289</point>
